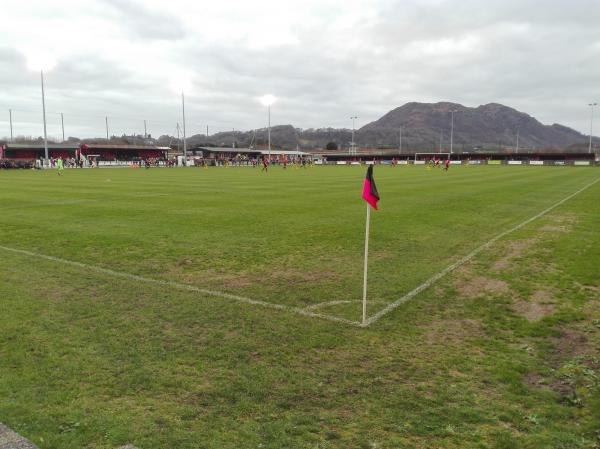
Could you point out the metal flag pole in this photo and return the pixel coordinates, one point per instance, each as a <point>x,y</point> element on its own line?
<point>364,302</point>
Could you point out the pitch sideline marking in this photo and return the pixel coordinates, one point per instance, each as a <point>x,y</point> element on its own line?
<point>466,258</point>
<point>180,286</point>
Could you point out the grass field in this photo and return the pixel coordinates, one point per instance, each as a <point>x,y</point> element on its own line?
<point>503,352</point>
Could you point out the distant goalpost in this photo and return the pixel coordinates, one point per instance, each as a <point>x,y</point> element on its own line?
<point>439,155</point>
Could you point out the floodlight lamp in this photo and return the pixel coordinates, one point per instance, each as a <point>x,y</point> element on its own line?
<point>40,60</point>
<point>180,82</point>
<point>268,100</point>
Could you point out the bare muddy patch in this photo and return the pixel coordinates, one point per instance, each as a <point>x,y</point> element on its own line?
<point>480,285</point>
<point>560,224</point>
<point>533,311</point>
<point>570,344</point>
<point>452,331</point>
<point>514,250</point>
<point>555,228</point>
<point>541,304</point>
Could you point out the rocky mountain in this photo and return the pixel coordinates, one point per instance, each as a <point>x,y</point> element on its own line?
<point>488,126</point>
<point>425,126</point>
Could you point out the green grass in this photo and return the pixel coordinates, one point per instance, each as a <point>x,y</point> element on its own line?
<point>92,360</point>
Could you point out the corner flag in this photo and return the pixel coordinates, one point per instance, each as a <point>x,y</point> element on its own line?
<point>369,193</point>
<point>371,196</point>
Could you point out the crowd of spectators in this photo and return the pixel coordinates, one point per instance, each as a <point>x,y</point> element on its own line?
<point>12,163</point>
<point>69,162</point>
<point>150,162</point>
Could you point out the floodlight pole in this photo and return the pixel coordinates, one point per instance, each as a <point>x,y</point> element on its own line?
<point>106,123</point>
<point>62,124</point>
<point>400,141</point>
<point>451,130</point>
<point>11,128</point>
<point>233,137</point>
<point>184,141</point>
<point>44,112</point>
<point>441,136</point>
<point>591,105</point>
<point>517,146</point>
<point>269,130</point>
<point>145,132</point>
<point>353,149</point>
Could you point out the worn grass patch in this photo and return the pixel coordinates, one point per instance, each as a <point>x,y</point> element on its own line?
<point>541,304</point>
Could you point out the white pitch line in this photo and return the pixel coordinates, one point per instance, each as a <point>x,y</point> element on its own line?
<point>181,286</point>
<point>465,259</point>
<point>330,303</point>
<point>339,302</point>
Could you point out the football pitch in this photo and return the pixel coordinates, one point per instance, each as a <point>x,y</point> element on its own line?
<point>221,308</point>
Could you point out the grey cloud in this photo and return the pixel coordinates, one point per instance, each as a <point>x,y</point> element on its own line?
<point>539,57</point>
<point>145,22</point>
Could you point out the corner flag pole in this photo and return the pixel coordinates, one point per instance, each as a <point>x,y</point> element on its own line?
<point>371,196</point>
<point>364,308</point>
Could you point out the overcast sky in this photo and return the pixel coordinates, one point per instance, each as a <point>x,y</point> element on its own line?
<point>324,60</point>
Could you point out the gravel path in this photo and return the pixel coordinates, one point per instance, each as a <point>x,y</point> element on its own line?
<point>12,440</point>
